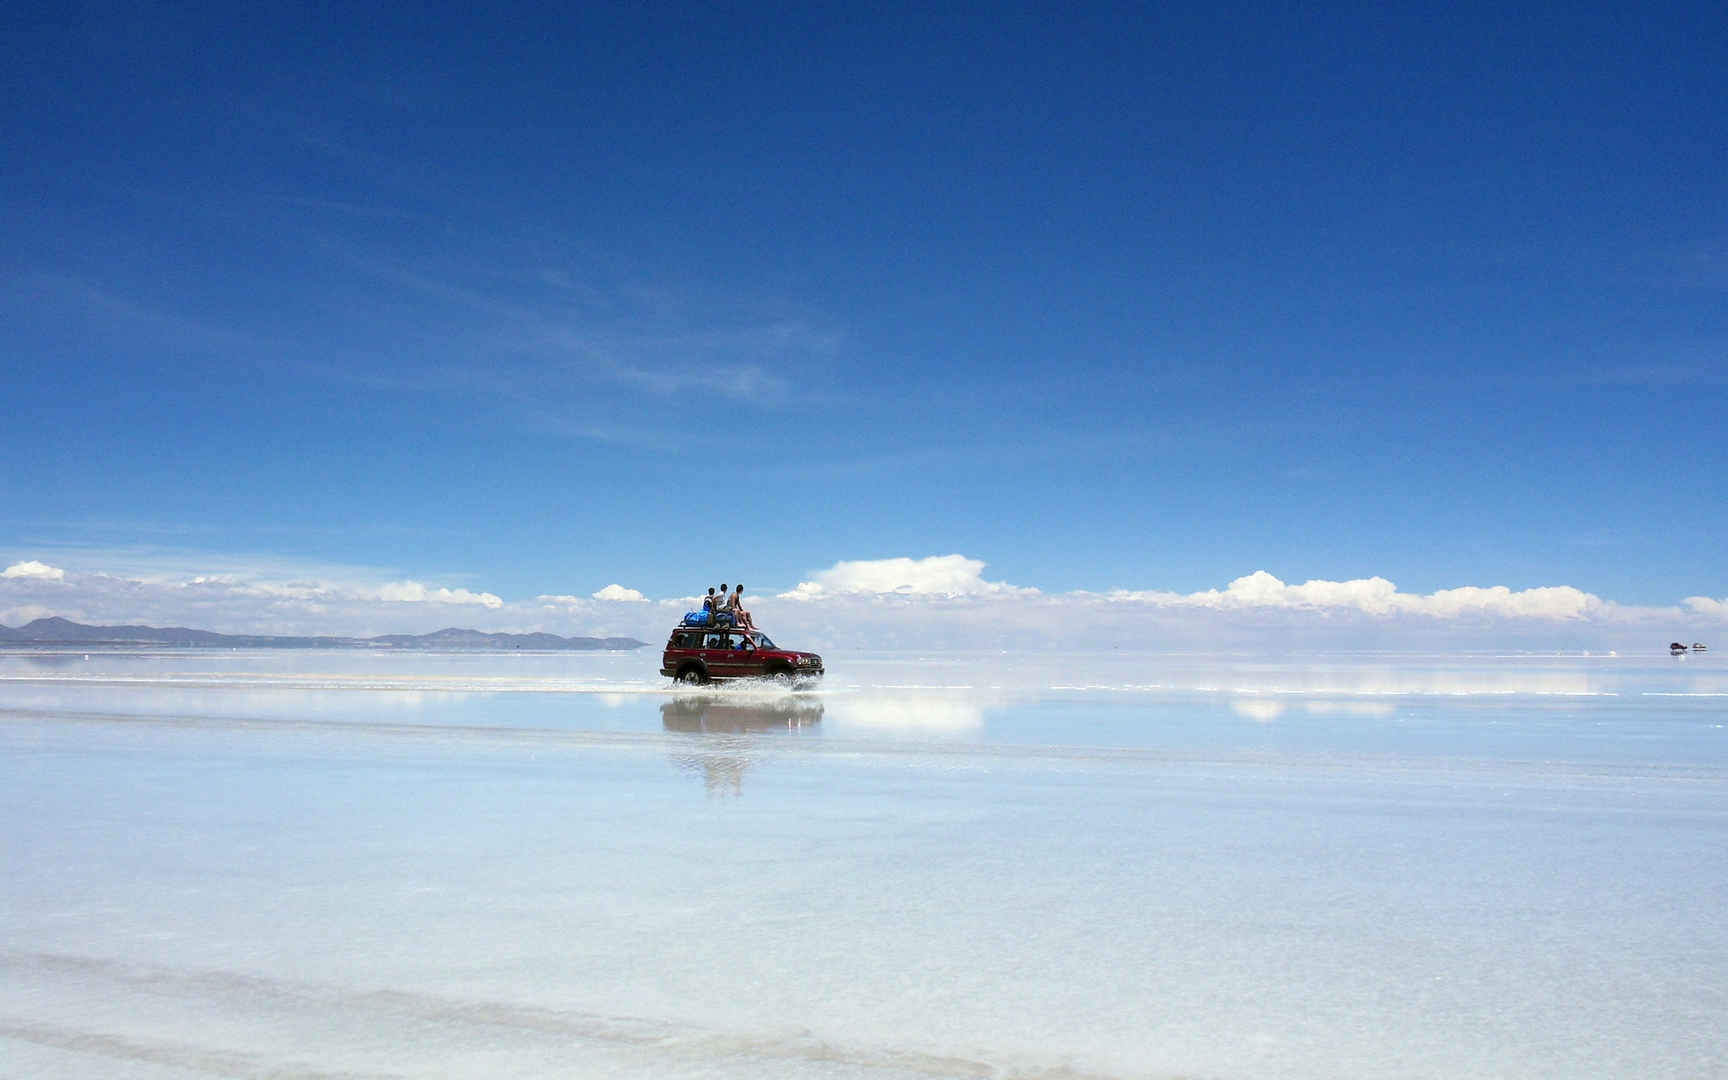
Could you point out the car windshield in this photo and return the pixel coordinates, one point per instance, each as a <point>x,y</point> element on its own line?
<point>762,641</point>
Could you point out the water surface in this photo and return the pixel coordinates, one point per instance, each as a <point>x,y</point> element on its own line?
<point>347,863</point>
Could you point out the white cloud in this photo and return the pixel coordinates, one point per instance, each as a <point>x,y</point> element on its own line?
<point>1376,596</point>
<point>618,593</point>
<point>266,595</point>
<point>1709,608</point>
<point>412,592</point>
<point>948,602</point>
<point>33,569</point>
<point>939,603</point>
<point>611,594</point>
<point>936,575</point>
<point>1547,602</point>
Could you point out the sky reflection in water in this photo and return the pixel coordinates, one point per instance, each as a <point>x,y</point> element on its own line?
<point>1237,868</point>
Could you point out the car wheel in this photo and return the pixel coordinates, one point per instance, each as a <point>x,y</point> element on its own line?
<point>692,677</point>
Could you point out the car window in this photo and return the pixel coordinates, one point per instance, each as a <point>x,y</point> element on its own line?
<point>715,641</point>
<point>762,641</point>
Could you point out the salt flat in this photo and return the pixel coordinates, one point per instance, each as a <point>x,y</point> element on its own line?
<point>348,864</point>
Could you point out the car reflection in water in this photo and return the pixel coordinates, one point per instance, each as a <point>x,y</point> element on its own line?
<point>724,746</point>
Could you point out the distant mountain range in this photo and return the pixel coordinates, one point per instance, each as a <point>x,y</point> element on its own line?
<point>58,631</point>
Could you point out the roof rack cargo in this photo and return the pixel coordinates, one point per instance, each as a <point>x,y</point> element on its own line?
<point>705,618</point>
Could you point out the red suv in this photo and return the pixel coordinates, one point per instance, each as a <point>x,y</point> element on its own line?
<point>696,654</point>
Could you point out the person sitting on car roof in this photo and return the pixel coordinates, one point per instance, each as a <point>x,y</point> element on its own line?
<point>736,606</point>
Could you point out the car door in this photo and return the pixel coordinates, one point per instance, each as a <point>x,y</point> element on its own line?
<point>744,657</point>
<point>686,646</point>
<point>730,660</point>
<point>715,656</point>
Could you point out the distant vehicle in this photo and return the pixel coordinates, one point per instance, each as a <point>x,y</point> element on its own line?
<point>1675,648</point>
<point>697,653</point>
<point>1699,646</point>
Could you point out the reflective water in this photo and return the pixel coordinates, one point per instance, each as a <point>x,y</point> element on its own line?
<point>295,863</point>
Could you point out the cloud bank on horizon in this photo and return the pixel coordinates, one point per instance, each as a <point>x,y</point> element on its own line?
<point>935,601</point>
<point>1377,596</point>
<point>951,576</point>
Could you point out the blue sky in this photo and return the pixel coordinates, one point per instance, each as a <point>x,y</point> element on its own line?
<point>527,301</point>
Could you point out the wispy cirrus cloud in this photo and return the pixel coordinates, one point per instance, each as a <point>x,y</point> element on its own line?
<point>741,353</point>
<point>100,304</point>
<point>668,367</point>
<point>661,341</point>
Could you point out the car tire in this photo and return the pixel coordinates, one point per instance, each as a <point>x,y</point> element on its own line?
<point>692,677</point>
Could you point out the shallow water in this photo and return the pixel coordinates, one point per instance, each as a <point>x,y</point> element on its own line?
<point>342,863</point>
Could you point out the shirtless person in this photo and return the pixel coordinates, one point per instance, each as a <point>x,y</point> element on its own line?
<point>735,605</point>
